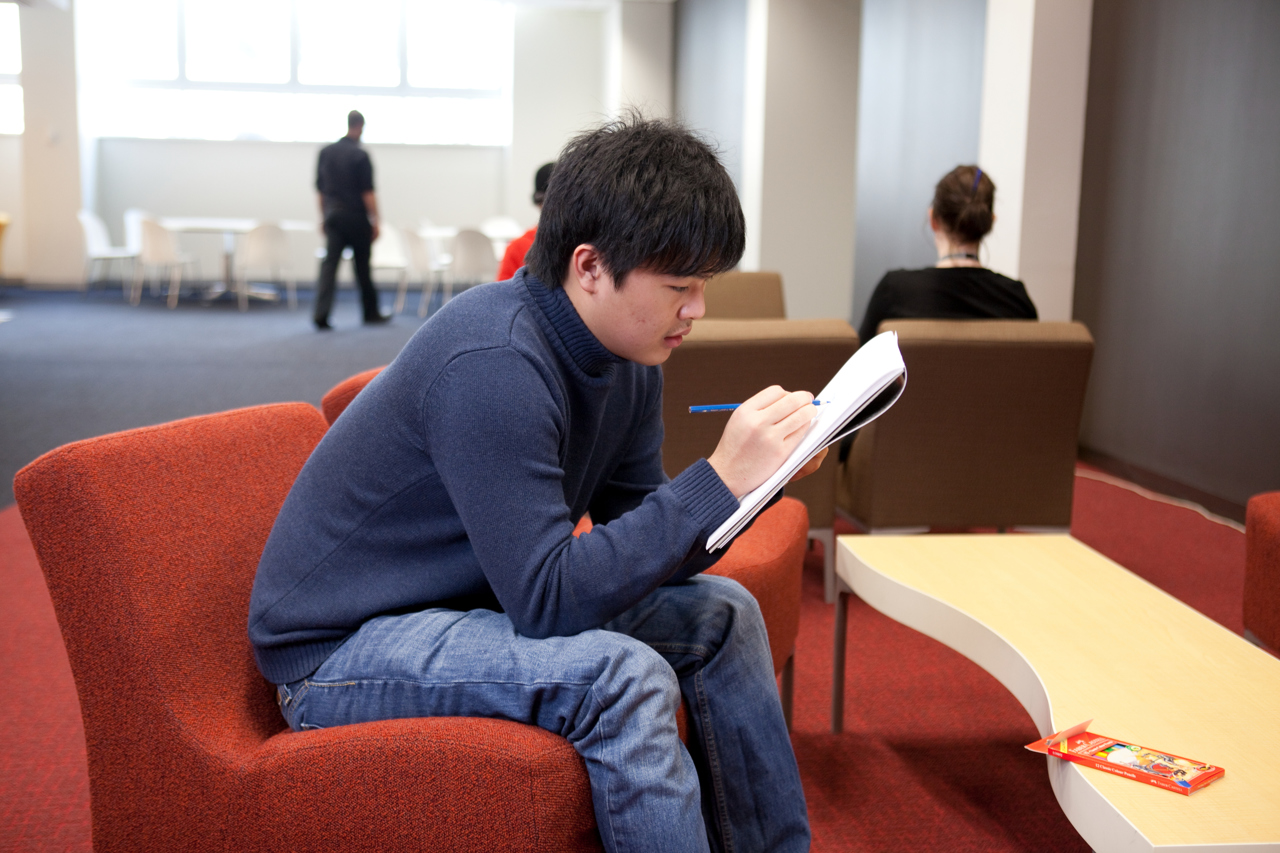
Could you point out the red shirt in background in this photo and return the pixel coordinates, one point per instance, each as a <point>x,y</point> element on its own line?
<point>513,257</point>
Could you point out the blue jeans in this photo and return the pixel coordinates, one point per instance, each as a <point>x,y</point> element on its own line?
<point>613,693</point>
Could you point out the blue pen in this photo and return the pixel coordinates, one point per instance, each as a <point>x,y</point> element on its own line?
<point>725,407</point>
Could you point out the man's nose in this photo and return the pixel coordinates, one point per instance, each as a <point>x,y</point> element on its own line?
<point>696,305</point>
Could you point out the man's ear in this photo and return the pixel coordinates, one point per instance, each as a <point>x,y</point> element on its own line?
<point>586,268</point>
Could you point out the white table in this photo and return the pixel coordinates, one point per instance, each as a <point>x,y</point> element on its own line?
<point>1075,636</point>
<point>229,227</point>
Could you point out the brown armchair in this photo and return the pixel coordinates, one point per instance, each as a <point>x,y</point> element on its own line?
<point>738,295</point>
<point>985,434</point>
<point>727,361</point>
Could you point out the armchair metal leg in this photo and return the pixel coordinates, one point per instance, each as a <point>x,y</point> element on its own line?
<point>837,675</point>
<point>827,536</point>
<point>788,687</point>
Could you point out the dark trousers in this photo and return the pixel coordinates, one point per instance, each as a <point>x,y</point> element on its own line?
<point>342,230</point>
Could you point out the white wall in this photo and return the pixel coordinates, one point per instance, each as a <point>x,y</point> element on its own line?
<point>808,156</point>
<point>13,246</point>
<point>1036,76</point>
<point>646,76</point>
<point>560,89</point>
<point>455,185</point>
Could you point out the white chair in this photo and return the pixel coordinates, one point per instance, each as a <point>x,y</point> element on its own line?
<point>98,248</point>
<point>159,251</point>
<point>501,230</point>
<point>474,261</point>
<point>388,253</point>
<point>265,249</point>
<point>424,264</point>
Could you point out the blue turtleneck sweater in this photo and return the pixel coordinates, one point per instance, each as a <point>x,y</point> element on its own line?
<point>456,476</point>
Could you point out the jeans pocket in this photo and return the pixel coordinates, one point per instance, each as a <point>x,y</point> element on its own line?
<point>289,697</point>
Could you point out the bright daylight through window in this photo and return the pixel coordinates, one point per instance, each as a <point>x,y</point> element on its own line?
<point>421,71</point>
<point>10,68</point>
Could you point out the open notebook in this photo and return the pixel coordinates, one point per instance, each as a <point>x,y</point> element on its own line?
<point>863,389</point>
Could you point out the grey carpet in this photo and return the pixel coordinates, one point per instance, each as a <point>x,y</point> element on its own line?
<point>76,365</point>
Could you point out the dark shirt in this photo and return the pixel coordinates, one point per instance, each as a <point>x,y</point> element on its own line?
<point>949,293</point>
<point>455,479</point>
<point>343,175</point>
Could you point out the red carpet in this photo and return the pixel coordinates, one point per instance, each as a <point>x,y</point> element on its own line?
<point>931,758</point>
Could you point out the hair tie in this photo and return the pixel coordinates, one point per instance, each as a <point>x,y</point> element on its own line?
<point>977,176</point>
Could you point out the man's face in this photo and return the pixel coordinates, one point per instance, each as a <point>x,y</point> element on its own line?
<point>645,319</point>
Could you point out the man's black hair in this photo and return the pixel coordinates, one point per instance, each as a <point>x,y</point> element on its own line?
<point>355,119</point>
<point>647,194</point>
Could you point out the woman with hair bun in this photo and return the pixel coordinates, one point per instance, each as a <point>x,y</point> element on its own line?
<point>958,287</point>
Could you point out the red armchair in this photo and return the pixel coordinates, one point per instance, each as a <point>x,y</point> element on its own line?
<point>1262,570</point>
<point>149,540</point>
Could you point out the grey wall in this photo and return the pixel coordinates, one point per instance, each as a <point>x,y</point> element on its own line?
<point>919,101</point>
<point>711,37</point>
<point>1177,273</point>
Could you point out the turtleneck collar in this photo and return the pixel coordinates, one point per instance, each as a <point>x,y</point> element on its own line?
<point>583,347</point>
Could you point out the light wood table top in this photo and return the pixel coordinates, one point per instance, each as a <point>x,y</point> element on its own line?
<point>1075,636</point>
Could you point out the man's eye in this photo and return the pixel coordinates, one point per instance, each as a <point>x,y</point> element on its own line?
<point>680,289</point>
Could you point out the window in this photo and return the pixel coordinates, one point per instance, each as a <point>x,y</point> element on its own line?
<point>10,67</point>
<point>421,71</point>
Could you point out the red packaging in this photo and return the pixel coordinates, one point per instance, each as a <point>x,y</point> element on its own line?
<point>1162,769</point>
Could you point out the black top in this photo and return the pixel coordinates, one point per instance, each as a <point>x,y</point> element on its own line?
<point>343,175</point>
<point>949,293</point>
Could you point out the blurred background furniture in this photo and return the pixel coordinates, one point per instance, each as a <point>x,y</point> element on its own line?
<point>738,295</point>
<point>474,261</point>
<point>265,249</point>
<point>98,249</point>
<point>1262,571</point>
<point>727,361</point>
<point>389,253</point>
<point>500,230</point>
<point>985,434</point>
<point>159,253</point>
<point>767,559</point>
<point>424,265</point>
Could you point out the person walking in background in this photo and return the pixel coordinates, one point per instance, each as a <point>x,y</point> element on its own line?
<point>349,213</point>
<point>513,258</point>
<point>958,287</point>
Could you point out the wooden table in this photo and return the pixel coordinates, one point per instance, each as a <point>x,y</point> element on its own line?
<point>228,227</point>
<point>1075,636</point>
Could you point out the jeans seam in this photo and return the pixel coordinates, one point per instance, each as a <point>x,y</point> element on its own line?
<point>713,763</point>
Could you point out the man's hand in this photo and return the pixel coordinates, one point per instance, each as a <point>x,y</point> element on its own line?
<point>759,437</point>
<point>376,232</point>
<point>810,467</point>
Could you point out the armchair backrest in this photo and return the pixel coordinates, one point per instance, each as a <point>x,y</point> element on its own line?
<point>736,295</point>
<point>337,398</point>
<point>727,361</point>
<point>149,540</point>
<point>985,434</point>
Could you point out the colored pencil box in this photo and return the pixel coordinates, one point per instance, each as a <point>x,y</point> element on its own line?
<point>1162,769</point>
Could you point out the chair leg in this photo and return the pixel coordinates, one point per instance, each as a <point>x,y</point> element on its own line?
<point>827,536</point>
<point>837,656</point>
<point>401,290</point>
<point>788,687</point>
<point>175,283</point>
<point>139,272</point>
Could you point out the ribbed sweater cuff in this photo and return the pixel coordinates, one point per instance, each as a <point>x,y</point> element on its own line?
<point>708,499</point>
<point>286,664</point>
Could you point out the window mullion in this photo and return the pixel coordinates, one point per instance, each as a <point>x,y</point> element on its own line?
<point>295,43</point>
<point>182,41</point>
<point>404,46</point>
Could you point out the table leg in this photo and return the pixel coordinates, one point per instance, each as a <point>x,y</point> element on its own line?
<point>837,656</point>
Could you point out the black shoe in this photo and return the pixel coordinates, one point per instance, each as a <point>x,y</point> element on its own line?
<point>323,326</point>
<point>377,319</point>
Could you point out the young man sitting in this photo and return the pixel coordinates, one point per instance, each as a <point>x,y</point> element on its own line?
<point>424,563</point>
